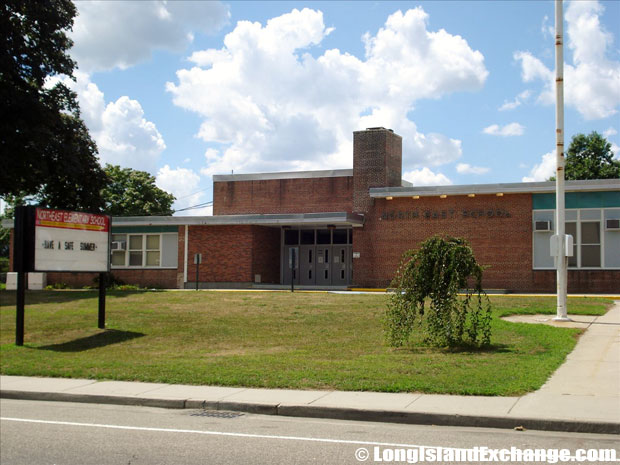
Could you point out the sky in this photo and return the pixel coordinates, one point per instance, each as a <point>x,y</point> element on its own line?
<point>186,90</point>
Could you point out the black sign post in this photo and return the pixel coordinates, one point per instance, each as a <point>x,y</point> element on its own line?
<point>197,261</point>
<point>23,262</point>
<point>102,284</point>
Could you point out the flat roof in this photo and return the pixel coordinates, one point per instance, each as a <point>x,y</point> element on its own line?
<point>274,220</point>
<point>282,175</point>
<point>502,188</point>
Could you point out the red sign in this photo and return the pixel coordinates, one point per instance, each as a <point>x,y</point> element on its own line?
<point>72,220</point>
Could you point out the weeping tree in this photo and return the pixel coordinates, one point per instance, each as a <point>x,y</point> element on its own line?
<point>426,296</point>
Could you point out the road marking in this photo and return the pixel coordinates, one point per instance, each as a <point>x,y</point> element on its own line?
<point>222,433</point>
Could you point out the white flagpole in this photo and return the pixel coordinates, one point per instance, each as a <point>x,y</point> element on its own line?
<point>560,230</point>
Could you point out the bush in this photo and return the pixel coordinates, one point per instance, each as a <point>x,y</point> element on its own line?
<point>4,264</point>
<point>57,286</point>
<point>437,271</point>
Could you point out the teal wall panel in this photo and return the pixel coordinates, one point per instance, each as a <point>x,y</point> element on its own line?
<point>606,199</point>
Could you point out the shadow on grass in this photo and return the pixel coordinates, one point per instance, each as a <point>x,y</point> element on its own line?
<point>105,338</point>
<point>465,349</point>
<point>8,298</point>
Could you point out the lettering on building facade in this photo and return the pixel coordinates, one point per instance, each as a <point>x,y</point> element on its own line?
<point>444,214</point>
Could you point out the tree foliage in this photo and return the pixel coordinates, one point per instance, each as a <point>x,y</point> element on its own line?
<point>45,149</point>
<point>591,157</point>
<point>437,271</point>
<point>134,193</point>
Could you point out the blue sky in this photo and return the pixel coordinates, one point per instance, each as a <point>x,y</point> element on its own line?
<point>188,90</point>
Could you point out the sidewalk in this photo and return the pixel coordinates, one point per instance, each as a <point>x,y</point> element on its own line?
<point>583,395</point>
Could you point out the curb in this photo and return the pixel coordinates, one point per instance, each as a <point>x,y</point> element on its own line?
<point>335,413</point>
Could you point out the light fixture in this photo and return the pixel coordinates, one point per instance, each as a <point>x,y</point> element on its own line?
<point>443,196</point>
<point>471,195</point>
<point>389,198</point>
<point>415,197</point>
<point>500,194</point>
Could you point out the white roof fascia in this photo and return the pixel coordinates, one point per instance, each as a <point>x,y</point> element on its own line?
<point>505,188</point>
<point>291,219</point>
<point>282,175</point>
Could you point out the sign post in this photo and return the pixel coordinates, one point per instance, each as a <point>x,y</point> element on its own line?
<point>58,240</point>
<point>197,261</point>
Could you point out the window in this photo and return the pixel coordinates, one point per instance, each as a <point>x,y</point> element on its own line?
<point>593,246</point>
<point>307,236</point>
<point>144,250</point>
<point>291,237</point>
<point>323,236</point>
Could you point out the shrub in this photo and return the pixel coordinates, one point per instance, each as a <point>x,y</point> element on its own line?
<point>4,264</point>
<point>437,271</point>
<point>57,286</point>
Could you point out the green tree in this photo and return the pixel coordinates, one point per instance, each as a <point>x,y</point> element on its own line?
<point>45,149</point>
<point>438,271</point>
<point>134,193</point>
<point>590,157</point>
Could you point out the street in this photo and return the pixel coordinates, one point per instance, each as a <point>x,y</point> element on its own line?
<point>35,432</point>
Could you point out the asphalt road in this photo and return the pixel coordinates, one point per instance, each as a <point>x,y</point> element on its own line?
<point>34,432</point>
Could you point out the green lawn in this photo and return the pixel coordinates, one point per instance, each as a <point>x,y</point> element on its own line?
<point>274,340</point>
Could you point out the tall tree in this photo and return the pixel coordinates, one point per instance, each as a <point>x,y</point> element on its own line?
<point>45,149</point>
<point>590,157</point>
<point>134,193</point>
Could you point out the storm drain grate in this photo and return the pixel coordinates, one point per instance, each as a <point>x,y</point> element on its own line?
<point>216,414</point>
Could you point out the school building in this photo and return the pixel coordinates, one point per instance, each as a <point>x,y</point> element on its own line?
<point>349,228</point>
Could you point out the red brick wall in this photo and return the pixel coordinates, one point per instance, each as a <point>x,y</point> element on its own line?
<point>383,240</point>
<point>234,254</point>
<point>301,195</point>
<point>226,253</point>
<point>266,254</point>
<point>165,279</point>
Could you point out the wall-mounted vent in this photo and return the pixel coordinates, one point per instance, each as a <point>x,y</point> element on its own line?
<point>542,226</point>
<point>119,245</point>
<point>612,225</point>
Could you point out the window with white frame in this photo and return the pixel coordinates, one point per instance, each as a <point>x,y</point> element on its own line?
<point>144,250</point>
<point>596,244</point>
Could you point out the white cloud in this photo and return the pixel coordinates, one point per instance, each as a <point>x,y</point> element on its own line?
<point>184,184</point>
<point>616,150</point>
<point>464,168</point>
<point>609,132</point>
<point>548,30</point>
<point>123,136</point>
<point>543,170</point>
<point>425,177</point>
<point>110,34</point>
<point>517,102</point>
<point>512,129</point>
<point>273,106</point>
<point>591,81</point>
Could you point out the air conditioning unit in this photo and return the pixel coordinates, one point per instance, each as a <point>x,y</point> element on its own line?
<point>612,225</point>
<point>541,226</point>
<point>119,245</point>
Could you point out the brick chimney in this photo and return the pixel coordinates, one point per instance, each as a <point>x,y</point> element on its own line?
<point>377,162</point>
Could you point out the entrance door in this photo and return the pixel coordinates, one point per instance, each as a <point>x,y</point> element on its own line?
<point>307,265</point>
<point>340,268</point>
<point>288,257</point>
<point>323,266</point>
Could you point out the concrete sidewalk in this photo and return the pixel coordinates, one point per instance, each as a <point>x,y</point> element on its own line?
<point>583,395</point>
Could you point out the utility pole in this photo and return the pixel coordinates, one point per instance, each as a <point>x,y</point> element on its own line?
<point>560,229</point>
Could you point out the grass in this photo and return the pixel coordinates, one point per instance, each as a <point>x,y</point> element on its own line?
<point>273,340</point>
